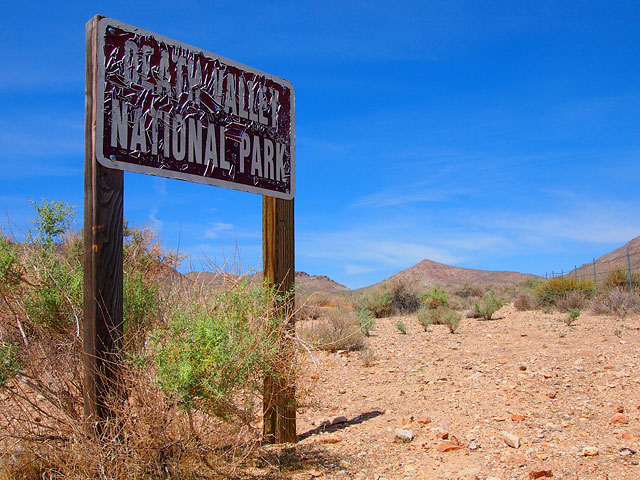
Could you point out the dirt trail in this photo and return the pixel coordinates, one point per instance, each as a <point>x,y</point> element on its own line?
<point>554,387</point>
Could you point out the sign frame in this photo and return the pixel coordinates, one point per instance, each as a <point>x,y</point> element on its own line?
<point>103,24</point>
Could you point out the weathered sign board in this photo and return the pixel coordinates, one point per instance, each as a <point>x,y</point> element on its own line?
<point>170,109</point>
<point>157,106</point>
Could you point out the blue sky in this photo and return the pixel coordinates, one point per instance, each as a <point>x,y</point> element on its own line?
<point>492,135</point>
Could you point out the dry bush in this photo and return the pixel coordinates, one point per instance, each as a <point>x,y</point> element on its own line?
<point>335,331</point>
<point>549,291</point>
<point>619,278</point>
<point>404,297</point>
<point>616,302</point>
<point>470,290</point>
<point>524,302</point>
<point>368,357</point>
<point>572,300</point>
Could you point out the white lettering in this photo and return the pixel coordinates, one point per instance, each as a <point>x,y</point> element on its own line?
<point>138,134</point>
<point>252,102</point>
<point>119,126</point>
<point>242,107</point>
<point>262,105</point>
<point>269,171</point>
<point>256,157</point>
<point>195,141</point>
<point>275,96</point>
<point>223,162</point>
<point>245,150</point>
<point>210,155</point>
<point>280,149</point>
<point>230,104</point>
<point>178,138</point>
<point>164,74</point>
<point>131,61</point>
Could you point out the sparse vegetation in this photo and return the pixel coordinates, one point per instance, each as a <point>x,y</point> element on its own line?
<point>552,290</point>
<point>404,299</point>
<point>572,316</point>
<point>489,305</point>
<point>616,302</point>
<point>336,331</point>
<point>402,328</point>
<point>434,298</point>
<point>378,303</point>
<point>368,357</point>
<point>439,316</point>
<point>524,301</point>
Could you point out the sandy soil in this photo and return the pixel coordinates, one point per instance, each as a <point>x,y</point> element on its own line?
<point>556,388</point>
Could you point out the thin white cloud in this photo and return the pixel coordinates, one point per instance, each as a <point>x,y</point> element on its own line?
<point>216,229</point>
<point>352,269</point>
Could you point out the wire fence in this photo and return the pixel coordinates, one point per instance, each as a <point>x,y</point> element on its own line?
<point>627,264</point>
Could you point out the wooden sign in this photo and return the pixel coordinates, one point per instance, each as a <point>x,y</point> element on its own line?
<point>170,109</point>
<point>157,106</point>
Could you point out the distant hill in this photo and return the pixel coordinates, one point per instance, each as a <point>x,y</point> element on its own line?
<point>307,284</point>
<point>615,259</point>
<point>427,273</point>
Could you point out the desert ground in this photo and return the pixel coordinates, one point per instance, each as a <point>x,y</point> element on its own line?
<point>521,396</point>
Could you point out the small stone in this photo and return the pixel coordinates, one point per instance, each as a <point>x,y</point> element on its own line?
<point>552,395</point>
<point>329,439</point>
<point>590,451</point>
<point>620,410</point>
<point>315,473</point>
<point>423,420</point>
<point>626,451</point>
<point>628,436</point>
<point>404,435</point>
<point>619,418</point>
<point>342,392</point>
<point>473,446</point>
<point>517,418</point>
<point>539,473</point>
<point>522,368</point>
<point>510,439</point>
<point>448,447</point>
<point>340,419</point>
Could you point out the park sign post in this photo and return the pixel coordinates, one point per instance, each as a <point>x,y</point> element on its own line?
<point>158,106</point>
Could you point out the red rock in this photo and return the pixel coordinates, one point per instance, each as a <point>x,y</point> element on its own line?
<point>448,447</point>
<point>327,439</point>
<point>523,367</point>
<point>628,436</point>
<point>620,410</point>
<point>517,418</point>
<point>619,418</point>
<point>442,435</point>
<point>544,472</point>
<point>423,420</point>
<point>552,395</point>
<point>315,473</point>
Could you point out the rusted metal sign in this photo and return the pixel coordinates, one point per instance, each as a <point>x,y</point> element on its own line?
<point>170,109</point>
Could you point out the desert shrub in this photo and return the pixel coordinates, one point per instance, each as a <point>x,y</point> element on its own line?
<point>208,353</point>
<point>469,290</point>
<point>365,321</point>
<point>572,316</point>
<point>379,302</point>
<point>489,305</point>
<point>549,291</point>
<point>402,328</point>
<point>404,299</point>
<point>52,220</point>
<point>336,331</point>
<point>434,298</point>
<point>368,357</point>
<point>439,316</point>
<point>9,364</point>
<point>574,299</point>
<point>524,301</point>
<point>619,278</point>
<point>616,302</point>
<point>11,269</point>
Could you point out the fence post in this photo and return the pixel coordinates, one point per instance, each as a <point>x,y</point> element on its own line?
<point>629,267</point>
<point>562,272</point>
<point>575,270</point>
<point>552,274</point>
<point>595,280</point>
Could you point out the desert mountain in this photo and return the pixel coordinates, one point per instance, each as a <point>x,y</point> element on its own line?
<point>615,259</point>
<point>428,273</point>
<point>306,283</point>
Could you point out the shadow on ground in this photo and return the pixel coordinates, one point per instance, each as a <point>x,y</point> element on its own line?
<point>363,417</point>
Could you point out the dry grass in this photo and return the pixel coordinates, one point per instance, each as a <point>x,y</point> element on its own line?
<point>616,302</point>
<point>335,331</point>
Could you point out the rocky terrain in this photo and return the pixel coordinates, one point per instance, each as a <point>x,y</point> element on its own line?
<point>522,396</point>
<point>428,273</point>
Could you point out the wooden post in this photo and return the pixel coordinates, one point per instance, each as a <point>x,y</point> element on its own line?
<point>103,229</point>
<point>278,255</point>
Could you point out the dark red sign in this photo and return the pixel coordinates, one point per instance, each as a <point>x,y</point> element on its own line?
<point>169,109</point>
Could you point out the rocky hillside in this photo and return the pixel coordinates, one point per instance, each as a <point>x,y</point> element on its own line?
<point>428,273</point>
<point>615,259</point>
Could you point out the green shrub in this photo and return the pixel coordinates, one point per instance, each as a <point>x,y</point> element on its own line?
<point>366,321</point>
<point>619,278</point>
<point>9,364</point>
<point>439,316</point>
<point>207,356</point>
<point>402,328</point>
<point>572,316</point>
<point>378,303</point>
<point>141,306</point>
<point>489,305</point>
<point>434,298</point>
<point>549,291</point>
<point>11,270</point>
<point>54,218</point>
